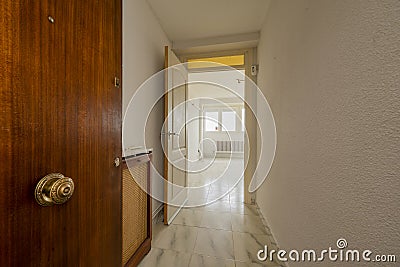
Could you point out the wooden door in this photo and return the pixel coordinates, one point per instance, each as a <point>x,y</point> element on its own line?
<point>174,133</point>
<point>60,113</point>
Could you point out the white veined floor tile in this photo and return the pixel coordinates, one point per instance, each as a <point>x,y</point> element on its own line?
<point>176,237</point>
<point>216,220</point>
<point>218,243</point>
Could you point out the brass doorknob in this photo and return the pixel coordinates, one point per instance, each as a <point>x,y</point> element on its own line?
<point>54,188</point>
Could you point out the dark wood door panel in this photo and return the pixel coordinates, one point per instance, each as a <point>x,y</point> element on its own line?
<point>60,112</point>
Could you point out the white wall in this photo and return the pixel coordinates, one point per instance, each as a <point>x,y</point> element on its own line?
<point>143,56</point>
<point>330,71</point>
<point>205,84</point>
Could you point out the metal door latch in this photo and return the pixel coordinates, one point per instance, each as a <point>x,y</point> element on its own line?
<point>117,82</point>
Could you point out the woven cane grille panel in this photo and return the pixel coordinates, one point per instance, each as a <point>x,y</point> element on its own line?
<point>134,210</point>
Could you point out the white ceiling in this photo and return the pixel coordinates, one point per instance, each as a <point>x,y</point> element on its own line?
<point>184,20</point>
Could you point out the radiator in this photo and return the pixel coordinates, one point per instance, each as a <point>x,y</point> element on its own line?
<point>135,207</point>
<point>230,146</point>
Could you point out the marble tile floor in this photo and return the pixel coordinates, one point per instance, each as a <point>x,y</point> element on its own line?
<point>211,236</point>
<point>224,232</point>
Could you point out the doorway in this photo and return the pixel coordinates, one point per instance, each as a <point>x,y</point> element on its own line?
<point>216,129</point>
<point>215,136</point>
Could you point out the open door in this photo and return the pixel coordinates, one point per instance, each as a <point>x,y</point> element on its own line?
<point>174,136</point>
<point>60,101</point>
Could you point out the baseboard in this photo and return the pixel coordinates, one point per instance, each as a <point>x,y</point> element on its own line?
<point>266,225</point>
<point>156,212</point>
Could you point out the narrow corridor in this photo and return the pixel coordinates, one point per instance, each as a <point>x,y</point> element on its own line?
<point>226,232</point>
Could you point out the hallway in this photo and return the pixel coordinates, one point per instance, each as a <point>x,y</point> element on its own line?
<point>226,232</point>
<point>118,118</point>
<point>329,71</point>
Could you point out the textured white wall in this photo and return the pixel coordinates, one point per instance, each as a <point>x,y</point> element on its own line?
<point>143,56</point>
<point>205,84</point>
<point>331,73</point>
